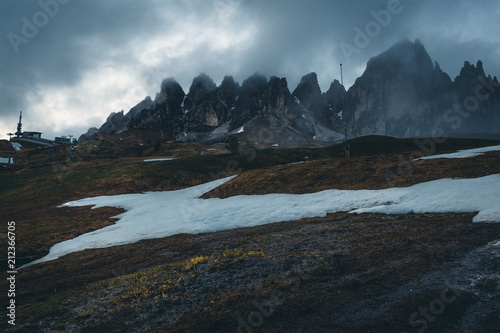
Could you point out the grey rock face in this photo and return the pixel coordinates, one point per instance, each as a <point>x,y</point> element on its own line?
<point>308,91</point>
<point>213,107</point>
<point>402,94</point>
<point>165,116</point>
<point>91,132</point>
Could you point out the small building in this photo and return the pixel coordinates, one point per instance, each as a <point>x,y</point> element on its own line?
<point>33,135</point>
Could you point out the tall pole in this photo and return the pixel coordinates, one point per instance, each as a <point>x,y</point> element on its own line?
<point>341,76</point>
<point>342,82</point>
<point>347,148</point>
<point>19,125</point>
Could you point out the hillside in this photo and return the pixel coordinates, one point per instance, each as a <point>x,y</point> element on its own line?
<point>344,272</point>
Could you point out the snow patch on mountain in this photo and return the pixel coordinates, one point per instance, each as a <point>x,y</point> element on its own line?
<point>463,153</point>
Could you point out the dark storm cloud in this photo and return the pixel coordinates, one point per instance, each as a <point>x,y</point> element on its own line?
<point>94,57</point>
<point>58,52</point>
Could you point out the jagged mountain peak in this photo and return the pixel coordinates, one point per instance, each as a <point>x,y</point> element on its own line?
<point>335,95</point>
<point>203,83</point>
<point>201,87</point>
<point>308,90</point>
<point>336,85</point>
<point>228,90</point>
<point>254,84</point>
<point>404,57</point>
<point>273,80</point>
<point>278,97</point>
<point>228,82</point>
<point>278,88</point>
<point>470,71</point>
<point>168,87</point>
<point>168,84</point>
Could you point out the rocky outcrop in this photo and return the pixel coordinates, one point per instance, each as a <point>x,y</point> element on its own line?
<point>165,115</point>
<point>308,91</point>
<point>208,106</point>
<point>478,97</point>
<point>248,104</point>
<point>117,122</point>
<point>89,134</point>
<point>201,87</point>
<point>332,116</point>
<point>278,101</point>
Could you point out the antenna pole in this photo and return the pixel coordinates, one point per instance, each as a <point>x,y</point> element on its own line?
<point>19,125</point>
<point>341,76</point>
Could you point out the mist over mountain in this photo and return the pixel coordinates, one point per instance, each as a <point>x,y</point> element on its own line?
<point>402,93</point>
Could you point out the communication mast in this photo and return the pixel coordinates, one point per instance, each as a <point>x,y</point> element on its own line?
<point>20,125</point>
<point>341,76</point>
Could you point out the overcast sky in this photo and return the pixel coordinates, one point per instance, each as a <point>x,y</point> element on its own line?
<point>67,64</point>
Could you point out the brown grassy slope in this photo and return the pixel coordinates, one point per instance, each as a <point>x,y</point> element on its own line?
<point>425,242</point>
<point>5,146</point>
<point>372,172</point>
<point>30,194</point>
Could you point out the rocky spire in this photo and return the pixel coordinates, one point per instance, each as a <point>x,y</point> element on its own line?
<point>278,99</point>
<point>308,91</point>
<point>335,95</point>
<point>228,90</point>
<point>254,85</point>
<point>202,86</point>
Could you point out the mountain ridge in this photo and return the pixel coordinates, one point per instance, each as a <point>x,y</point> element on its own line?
<point>402,93</point>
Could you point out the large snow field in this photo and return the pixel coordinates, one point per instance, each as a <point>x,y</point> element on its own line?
<point>463,153</point>
<point>160,214</point>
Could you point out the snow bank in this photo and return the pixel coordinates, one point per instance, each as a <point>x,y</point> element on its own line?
<point>463,153</point>
<point>161,214</point>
